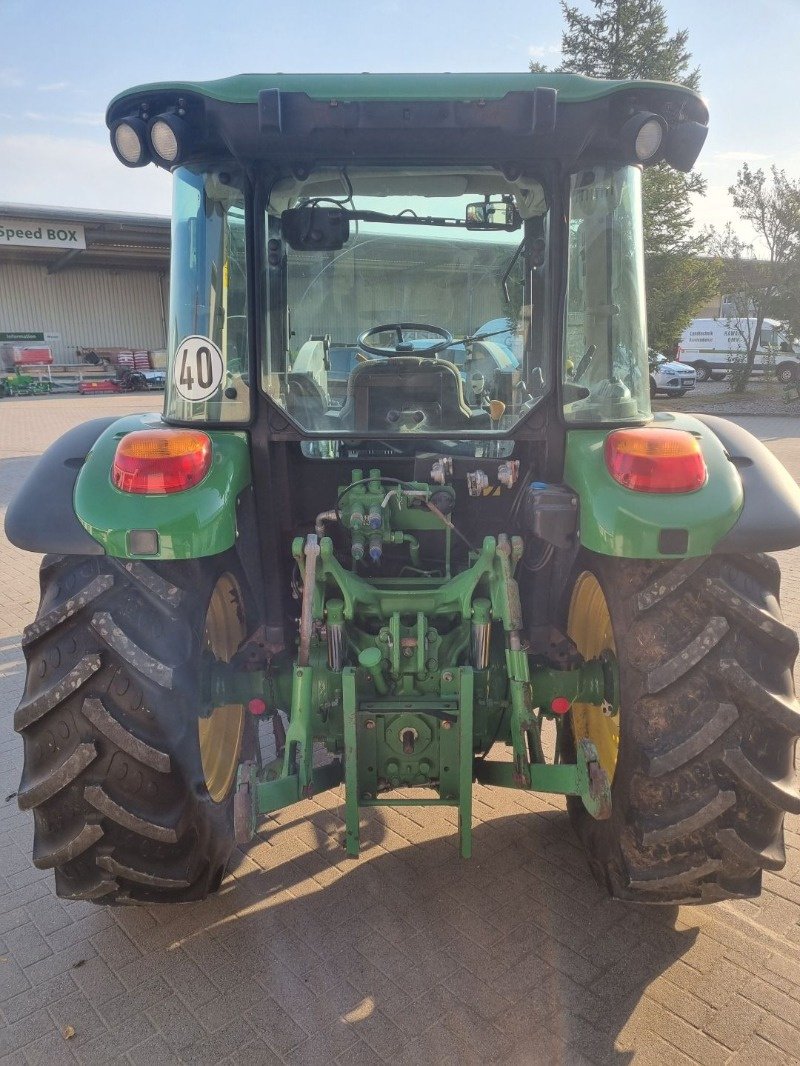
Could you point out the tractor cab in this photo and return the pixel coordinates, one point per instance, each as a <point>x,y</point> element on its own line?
<point>338,243</point>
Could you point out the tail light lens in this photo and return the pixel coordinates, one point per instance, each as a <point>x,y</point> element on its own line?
<point>160,461</point>
<point>655,460</point>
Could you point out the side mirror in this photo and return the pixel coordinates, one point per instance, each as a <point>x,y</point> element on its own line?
<point>315,229</point>
<point>493,214</point>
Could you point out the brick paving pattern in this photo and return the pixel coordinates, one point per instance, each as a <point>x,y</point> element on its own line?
<point>408,955</point>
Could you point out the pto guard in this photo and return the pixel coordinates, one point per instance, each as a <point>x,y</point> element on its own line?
<point>197,522</point>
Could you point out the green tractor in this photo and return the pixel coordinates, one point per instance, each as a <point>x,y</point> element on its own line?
<point>407,522</point>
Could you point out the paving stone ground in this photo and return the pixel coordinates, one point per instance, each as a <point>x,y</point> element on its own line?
<point>407,955</point>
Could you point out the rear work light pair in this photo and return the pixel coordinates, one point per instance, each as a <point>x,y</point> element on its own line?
<point>162,140</point>
<point>161,461</point>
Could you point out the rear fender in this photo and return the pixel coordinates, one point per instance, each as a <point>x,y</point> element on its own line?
<point>617,521</point>
<point>770,518</point>
<point>41,517</point>
<point>198,522</point>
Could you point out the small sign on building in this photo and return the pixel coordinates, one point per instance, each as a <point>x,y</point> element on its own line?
<point>20,336</point>
<point>25,233</point>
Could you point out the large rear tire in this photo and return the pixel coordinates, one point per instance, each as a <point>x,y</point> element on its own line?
<point>131,791</point>
<point>701,755</point>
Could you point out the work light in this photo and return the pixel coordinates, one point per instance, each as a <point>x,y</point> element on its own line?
<point>168,138</point>
<point>641,137</point>
<point>129,142</point>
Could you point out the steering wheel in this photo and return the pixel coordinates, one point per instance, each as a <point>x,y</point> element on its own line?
<point>402,346</point>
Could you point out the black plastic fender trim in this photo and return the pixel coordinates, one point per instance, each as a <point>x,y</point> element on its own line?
<point>41,517</point>
<point>770,518</point>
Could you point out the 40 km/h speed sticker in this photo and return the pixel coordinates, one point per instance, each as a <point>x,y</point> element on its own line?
<point>197,369</point>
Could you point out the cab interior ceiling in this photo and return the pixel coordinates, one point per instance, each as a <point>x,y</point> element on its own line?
<point>337,183</point>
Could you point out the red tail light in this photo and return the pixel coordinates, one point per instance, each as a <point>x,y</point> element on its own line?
<point>160,461</point>
<point>655,460</point>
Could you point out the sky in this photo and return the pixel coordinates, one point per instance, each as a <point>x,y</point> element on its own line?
<point>61,62</point>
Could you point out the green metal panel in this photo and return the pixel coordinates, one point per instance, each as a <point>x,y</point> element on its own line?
<point>465,768</point>
<point>562,779</point>
<point>244,88</point>
<point>274,795</point>
<point>369,756</point>
<point>198,522</point>
<point>617,521</point>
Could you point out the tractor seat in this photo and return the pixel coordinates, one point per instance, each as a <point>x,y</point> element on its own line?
<point>407,392</point>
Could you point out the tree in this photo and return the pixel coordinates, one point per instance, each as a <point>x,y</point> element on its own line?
<point>677,286</point>
<point>631,39</point>
<point>761,287</point>
<point>626,39</point>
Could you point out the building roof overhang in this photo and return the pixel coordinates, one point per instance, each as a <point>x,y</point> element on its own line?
<point>108,239</point>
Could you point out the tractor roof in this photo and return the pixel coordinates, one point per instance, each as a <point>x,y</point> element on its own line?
<point>303,120</point>
<point>245,88</point>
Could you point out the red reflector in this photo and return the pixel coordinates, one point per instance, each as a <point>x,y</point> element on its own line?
<point>160,461</point>
<point>560,705</point>
<point>655,460</point>
<point>256,707</point>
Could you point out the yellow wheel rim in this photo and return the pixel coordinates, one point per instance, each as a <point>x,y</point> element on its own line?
<point>589,626</point>
<point>221,733</point>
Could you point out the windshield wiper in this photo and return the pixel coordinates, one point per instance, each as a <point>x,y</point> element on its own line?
<point>404,219</point>
<point>477,337</point>
<point>511,266</point>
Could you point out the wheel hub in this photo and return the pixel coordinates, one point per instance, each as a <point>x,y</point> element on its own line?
<point>589,626</point>
<point>220,732</point>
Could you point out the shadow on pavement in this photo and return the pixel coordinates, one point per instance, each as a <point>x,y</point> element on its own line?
<point>514,956</point>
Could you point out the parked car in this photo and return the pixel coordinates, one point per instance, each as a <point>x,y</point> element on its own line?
<point>669,377</point>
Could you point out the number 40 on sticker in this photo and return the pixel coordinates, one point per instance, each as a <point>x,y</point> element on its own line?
<point>197,369</point>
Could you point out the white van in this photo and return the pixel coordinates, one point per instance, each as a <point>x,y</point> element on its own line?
<point>711,345</point>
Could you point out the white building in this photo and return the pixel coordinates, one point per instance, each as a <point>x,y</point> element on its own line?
<point>82,279</point>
